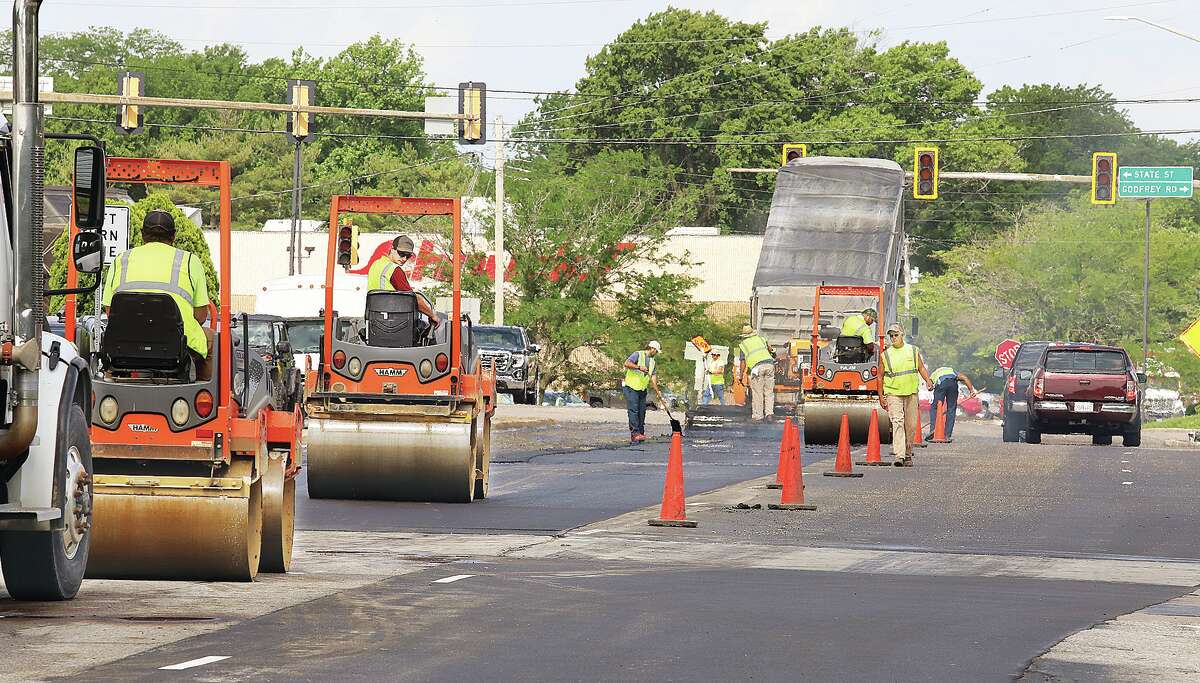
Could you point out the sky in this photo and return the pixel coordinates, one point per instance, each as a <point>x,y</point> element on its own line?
<point>543,44</point>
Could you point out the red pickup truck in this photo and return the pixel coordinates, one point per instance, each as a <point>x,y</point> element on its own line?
<point>1085,389</point>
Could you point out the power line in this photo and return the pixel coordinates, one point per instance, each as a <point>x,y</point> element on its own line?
<point>343,7</point>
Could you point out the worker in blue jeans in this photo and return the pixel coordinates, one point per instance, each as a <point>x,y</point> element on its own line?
<point>945,390</point>
<point>640,375</point>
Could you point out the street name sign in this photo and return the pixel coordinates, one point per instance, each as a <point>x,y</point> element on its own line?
<point>1153,182</point>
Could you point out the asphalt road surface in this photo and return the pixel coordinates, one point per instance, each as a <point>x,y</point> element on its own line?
<point>966,567</point>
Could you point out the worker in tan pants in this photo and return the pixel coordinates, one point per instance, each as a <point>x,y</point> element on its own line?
<point>903,369</point>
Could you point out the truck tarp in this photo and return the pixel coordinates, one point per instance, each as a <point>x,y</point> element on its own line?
<point>833,221</point>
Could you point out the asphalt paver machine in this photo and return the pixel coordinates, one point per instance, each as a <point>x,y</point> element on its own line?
<point>194,478</point>
<point>400,409</point>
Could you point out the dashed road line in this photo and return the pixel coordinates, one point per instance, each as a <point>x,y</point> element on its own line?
<point>452,579</point>
<point>191,663</point>
<point>1127,483</point>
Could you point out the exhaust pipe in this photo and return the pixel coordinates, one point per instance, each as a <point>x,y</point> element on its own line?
<point>28,168</point>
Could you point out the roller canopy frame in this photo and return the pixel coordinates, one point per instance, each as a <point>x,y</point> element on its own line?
<point>848,290</point>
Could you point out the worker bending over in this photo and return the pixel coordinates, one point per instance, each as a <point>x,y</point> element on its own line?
<point>945,390</point>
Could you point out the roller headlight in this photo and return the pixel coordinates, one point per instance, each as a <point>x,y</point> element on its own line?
<point>108,409</point>
<point>866,375</point>
<point>425,368</point>
<point>355,366</point>
<point>180,412</point>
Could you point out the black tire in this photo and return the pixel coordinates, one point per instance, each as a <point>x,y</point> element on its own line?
<point>1032,434</point>
<point>1010,432</point>
<point>1102,439</point>
<point>36,564</point>
<point>531,398</point>
<point>1132,436</point>
<point>596,403</point>
<point>518,397</point>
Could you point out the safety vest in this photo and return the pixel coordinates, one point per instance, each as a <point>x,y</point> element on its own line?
<point>159,267</point>
<point>900,376</point>
<point>942,373</point>
<point>379,276</point>
<point>636,379</point>
<point>716,373</point>
<point>754,350</point>
<point>856,326</point>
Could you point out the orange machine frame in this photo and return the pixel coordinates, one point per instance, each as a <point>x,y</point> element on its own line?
<point>811,381</point>
<point>245,435</point>
<point>398,206</point>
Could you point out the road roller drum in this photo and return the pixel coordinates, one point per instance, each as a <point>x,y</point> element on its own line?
<point>823,420</point>
<point>279,514</point>
<point>375,460</point>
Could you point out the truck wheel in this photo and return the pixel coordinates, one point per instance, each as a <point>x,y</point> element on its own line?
<point>1032,435</point>
<point>1102,439</point>
<point>1010,432</point>
<point>49,565</point>
<point>1132,436</point>
<point>596,403</point>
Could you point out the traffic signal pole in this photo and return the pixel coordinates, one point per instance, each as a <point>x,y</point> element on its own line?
<point>500,262</point>
<point>294,265</point>
<point>1146,296</point>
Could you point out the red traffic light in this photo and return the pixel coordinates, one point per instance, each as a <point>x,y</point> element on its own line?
<point>925,172</point>
<point>1104,167</point>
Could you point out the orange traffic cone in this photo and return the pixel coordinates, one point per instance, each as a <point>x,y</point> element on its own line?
<point>784,444</point>
<point>918,440</point>
<point>792,496</point>
<point>873,458</point>
<point>673,512</point>
<point>939,428</point>
<point>843,466</point>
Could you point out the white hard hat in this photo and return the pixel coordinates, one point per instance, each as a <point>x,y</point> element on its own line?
<point>654,345</point>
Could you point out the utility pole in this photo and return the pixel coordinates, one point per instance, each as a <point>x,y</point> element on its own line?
<point>294,249</point>
<point>907,275</point>
<point>500,261</point>
<point>1146,296</point>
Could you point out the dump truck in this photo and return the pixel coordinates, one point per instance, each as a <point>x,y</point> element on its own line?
<point>401,407</point>
<point>834,221</point>
<point>194,476</point>
<point>45,449</point>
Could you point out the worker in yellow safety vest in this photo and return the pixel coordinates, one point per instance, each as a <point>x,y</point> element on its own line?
<point>714,379</point>
<point>945,390</point>
<point>640,375</point>
<point>757,362</point>
<point>386,272</point>
<point>903,369</point>
<point>157,266</point>
<point>859,325</point>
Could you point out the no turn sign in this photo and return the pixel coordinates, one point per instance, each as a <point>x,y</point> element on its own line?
<point>1006,352</point>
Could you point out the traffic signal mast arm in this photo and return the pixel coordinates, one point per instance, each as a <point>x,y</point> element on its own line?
<point>982,175</point>
<point>233,105</point>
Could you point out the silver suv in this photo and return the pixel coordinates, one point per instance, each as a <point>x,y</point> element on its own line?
<point>509,351</point>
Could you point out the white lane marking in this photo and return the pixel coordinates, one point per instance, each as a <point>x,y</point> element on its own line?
<point>1124,462</point>
<point>589,532</point>
<point>1127,483</point>
<point>452,579</point>
<point>1128,471</point>
<point>193,663</point>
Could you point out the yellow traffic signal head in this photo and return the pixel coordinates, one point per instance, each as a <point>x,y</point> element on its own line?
<point>347,245</point>
<point>925,173</point>
<point>1104,178</point>
<point>791,151</point>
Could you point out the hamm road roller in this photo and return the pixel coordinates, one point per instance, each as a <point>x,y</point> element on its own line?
<point>400,407</point>
<point>194,478</point>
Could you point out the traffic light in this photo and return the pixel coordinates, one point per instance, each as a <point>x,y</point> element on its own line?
<point>793,150</point>
<point>1104,178</point>
<point>925,173</point>
<point>130,84</point>
<point>472,102</point>
<point>347,245</point>
<point>299,124</point>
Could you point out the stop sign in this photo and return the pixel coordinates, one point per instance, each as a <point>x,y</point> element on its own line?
<point>1006,352</point>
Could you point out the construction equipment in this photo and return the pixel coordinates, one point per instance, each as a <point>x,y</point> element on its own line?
<point>841,377</point>
<point>834,221</point>
<point>399,411</point>
<point>194,477</point>
<point>45,452</point>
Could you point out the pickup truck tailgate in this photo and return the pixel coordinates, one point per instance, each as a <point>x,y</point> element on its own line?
<point>1085,375</point>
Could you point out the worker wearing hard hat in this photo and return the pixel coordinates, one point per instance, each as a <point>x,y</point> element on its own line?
<point>859,325</point>
<point>640,375</point>
<point>757,361</point>
<point>714,379</point>
<point>945,390</point>
<point>387,272</point>
<point>159,266</point>
<point>903,370</point>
